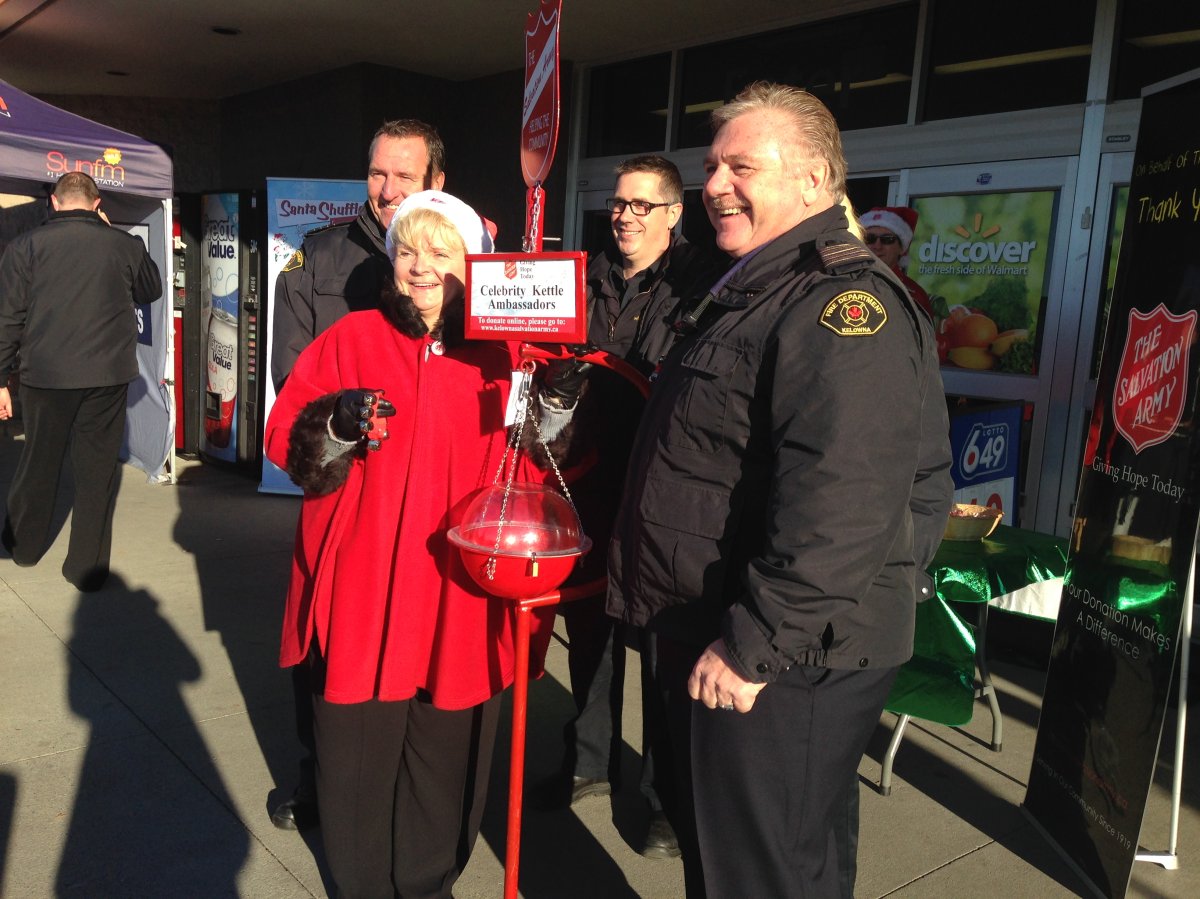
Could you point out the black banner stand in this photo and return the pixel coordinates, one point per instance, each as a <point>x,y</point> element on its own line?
<point>1130,581</point>
<point>1169,858</point>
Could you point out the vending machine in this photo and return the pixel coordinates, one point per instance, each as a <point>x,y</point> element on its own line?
<point>231,227</point>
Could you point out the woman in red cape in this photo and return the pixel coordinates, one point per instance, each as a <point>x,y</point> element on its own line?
<point>409,655</point>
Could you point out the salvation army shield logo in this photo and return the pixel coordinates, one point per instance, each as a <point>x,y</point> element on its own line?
<point>1151,387</point>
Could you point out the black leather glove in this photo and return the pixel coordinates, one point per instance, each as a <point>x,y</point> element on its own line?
<point>352,416</point>
<point>565,378</point>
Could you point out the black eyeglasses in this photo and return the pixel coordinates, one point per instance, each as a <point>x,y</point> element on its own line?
<point>886,239</point>
<point>639,207</point>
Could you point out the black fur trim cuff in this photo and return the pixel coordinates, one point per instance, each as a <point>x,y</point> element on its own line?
<point>308,461</point>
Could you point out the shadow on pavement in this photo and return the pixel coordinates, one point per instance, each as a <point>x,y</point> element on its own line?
<point>136,827</point>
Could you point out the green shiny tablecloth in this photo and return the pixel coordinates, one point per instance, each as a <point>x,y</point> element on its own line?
<point>1012,558</point>
<point>938,682</point>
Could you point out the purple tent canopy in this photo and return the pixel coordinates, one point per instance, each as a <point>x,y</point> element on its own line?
<point>42,143</point>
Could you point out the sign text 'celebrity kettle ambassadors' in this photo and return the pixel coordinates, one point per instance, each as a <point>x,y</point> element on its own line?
<point>534,297</point>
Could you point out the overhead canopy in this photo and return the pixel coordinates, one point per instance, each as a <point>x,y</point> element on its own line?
<point>42,142</point>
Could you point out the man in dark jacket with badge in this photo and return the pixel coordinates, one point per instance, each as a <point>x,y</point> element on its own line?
<point>341,268</point>
<point>789,484</point>
<point>67,295</point>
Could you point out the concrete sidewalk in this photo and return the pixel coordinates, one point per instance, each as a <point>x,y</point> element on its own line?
<point>146,731</point>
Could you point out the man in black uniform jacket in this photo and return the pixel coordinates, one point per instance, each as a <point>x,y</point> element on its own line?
<point>67,295</point>
<point>788,485</point>
<point>341,269</point>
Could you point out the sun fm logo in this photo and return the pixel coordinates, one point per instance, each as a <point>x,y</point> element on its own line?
<point>105,169</point>
<point>977,249</point>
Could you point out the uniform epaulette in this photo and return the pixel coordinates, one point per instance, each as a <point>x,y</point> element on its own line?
<point>840,258</point>
<point>329,226</point>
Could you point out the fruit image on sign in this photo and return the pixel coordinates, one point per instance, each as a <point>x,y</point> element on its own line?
<point>983,259</point>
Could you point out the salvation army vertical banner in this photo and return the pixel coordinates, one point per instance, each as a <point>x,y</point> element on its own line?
<point>983,260</point>
<point>1134,533</point>
<point>295,208</point>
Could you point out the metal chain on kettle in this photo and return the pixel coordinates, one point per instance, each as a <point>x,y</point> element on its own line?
<point>513,447</point>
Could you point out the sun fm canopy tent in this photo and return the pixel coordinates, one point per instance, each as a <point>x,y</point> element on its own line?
<point>40,143</point>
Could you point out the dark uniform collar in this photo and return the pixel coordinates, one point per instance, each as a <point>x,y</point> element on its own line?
<point>80,214</point>
<point>369,225</point>
<point>791,251</point>
<point>641,281</point>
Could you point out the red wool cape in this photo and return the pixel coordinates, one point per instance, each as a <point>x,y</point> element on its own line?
<point>374,578</point>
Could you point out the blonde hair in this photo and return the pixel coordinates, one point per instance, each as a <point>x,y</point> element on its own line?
<point>852,217</point>
<point>422,227</point>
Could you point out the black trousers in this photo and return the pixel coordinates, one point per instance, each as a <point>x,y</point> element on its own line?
<point>764,795</point>
<point>596,663</point>
<point>401,787</point>
<point>91,421</point>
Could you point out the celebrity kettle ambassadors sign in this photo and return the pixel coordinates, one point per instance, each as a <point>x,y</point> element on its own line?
<point>539,111</point>
<point>1134,535</point>
<point>535,297</point>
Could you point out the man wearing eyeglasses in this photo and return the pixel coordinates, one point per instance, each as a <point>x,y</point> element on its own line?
<point>888,234</point>
<point>636,289</point>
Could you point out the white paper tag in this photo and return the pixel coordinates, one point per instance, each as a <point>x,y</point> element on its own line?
<point>518,398</point>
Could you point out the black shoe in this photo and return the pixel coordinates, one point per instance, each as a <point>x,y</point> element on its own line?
<point>90,581</point>
<point>9,542</point>
<point>583,787</point>
<point>561,791</point>
<point>660,839</point>
<point>297,813</point>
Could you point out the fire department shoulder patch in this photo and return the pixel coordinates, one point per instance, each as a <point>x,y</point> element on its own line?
<point>854,314</point>
<point>295,261</point>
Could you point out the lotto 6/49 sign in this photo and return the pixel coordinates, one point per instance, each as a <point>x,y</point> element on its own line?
<point>539,112</point>
<point>986,451</point>
<point>986,441</point>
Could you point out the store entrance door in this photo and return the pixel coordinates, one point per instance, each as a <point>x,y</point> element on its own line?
<point>989,249</point>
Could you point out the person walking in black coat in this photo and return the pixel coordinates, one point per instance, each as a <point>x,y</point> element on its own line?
<point>67,295</point>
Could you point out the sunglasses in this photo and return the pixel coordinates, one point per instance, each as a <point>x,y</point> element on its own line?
<point>886,239</point>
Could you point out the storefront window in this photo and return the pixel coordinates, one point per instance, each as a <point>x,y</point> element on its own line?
<point>867,193</point>
<point>1116,230</point>
<point>1021,54</point>
<point>1157,40</point>
<point>860,66</point>
<point>696,226</point>
<point>627,107</point>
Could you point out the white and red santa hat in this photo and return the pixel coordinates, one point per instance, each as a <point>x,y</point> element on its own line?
<point>900,220</point>
<point>471,227</point>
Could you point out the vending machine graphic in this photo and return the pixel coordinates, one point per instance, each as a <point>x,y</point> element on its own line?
<point>229,319</point>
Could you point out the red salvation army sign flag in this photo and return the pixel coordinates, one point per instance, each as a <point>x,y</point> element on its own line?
<point>1152,381</point>
<point>539,111</point>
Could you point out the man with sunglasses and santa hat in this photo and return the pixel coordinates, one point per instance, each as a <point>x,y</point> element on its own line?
<point>888,233</point>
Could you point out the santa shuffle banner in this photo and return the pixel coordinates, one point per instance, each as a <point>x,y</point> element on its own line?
<point>1134,536</point>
